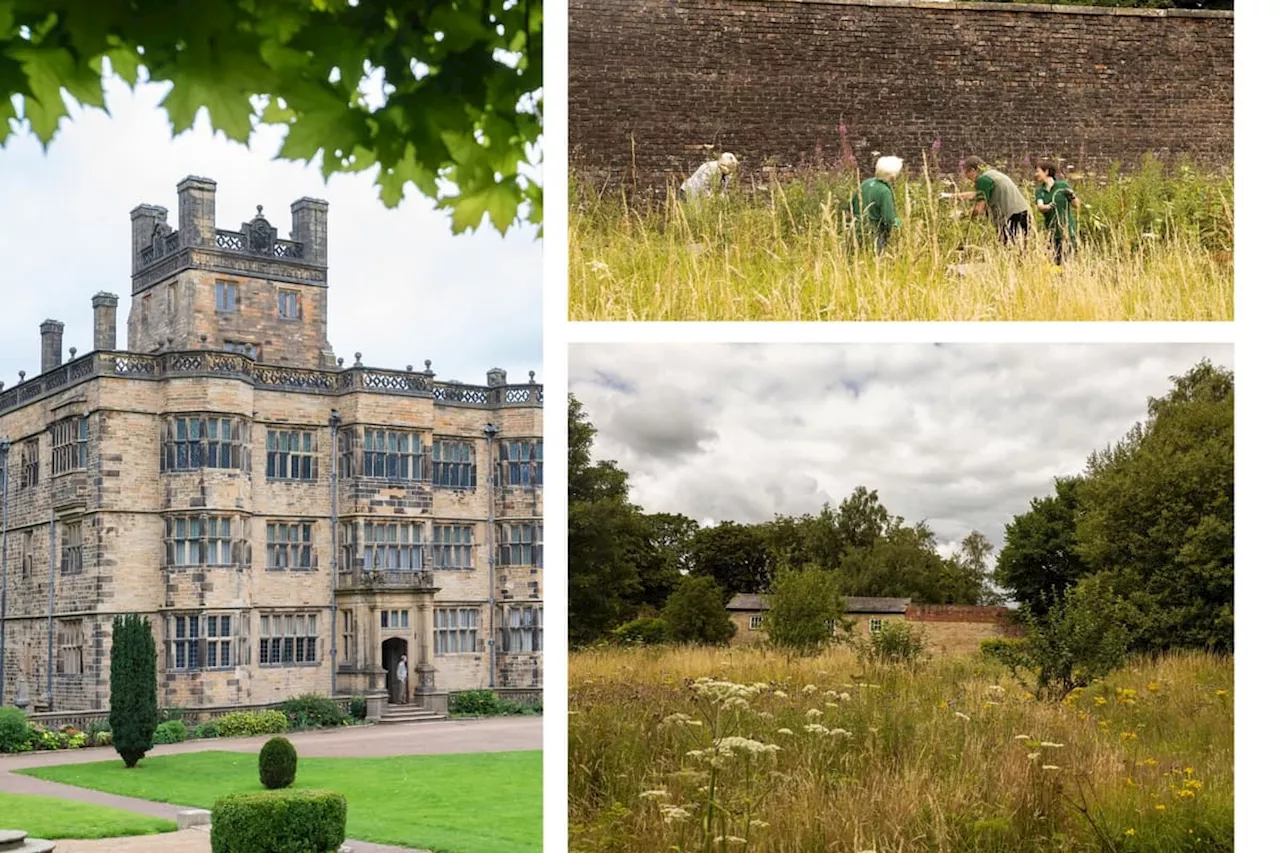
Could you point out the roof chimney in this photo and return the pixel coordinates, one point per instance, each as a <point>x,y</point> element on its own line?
<point>104,321</point>
<point>50,345</point>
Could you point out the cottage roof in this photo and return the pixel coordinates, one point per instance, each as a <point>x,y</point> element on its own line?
<point>852,604</point>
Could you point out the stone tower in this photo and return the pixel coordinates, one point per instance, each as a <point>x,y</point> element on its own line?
<point>246,291</point>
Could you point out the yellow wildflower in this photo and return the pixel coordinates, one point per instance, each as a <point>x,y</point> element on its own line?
<point>1128,736</point>
<point>1131,831</point>
<point>1099,700</point>
<point>1161,807</point>
<point>1153,686</point>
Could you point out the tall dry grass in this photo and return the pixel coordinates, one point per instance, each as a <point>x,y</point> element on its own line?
<point>952,756</point>
<point>1157,245</point>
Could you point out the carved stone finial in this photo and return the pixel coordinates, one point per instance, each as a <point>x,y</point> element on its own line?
<point>73,352</point>
<point>1,386</point>
<point>259,210</point>
<point>22,376</point>
<point>204,338</point>
<point>427,364</point>
<point>409,367</point>
<point>358,357</point>
<point>339,361</point>
<point>531,382</point>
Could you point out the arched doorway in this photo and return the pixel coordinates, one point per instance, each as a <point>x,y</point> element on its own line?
<point>392,649</point>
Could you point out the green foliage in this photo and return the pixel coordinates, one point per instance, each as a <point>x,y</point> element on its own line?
<point>485,703</point>
<point>134,714</point>
<point>695,613</point>
<point>277,763</point>
<point>802,606</point>
<point>280,821</point>
<point>102,738</point>
<point>1040,558</point>
<point>444,96</point>
<point>895,643</point>
<point>313,711</point>
<point>207,729</point>
<point>1161,515</point>
<point>1081,638</point>
<point>735,555</point>
<point>248,723</point>
<point>645,631</point>
<point>171,731</point>
<point>358,707</point>
<point>13,730</point>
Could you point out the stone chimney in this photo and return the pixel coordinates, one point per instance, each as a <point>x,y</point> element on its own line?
<point>311,229</point>
<point>195,211</point>
<point>104,321</point>
<point>146,218</point>
<point>50,345</point>
<point>497,377</point>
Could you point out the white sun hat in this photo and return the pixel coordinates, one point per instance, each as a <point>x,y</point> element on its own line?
<point>888,168</point>
<point>728,163</point>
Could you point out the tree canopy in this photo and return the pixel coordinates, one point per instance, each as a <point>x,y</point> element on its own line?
<point>445,95</point>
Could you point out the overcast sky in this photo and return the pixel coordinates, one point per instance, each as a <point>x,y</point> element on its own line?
<point>961,435</point>
<point>402,288</point>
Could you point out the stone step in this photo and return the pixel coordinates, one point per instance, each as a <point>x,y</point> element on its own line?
<point>411,717</point>
<point>16,841</point>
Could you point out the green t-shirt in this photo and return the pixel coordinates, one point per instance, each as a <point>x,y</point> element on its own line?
<point>1001,194</point>
<point>872,205</point>
<point>1061,217</point>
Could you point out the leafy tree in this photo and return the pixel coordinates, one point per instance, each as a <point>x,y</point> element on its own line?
<point>1040,559</point>
<point>695,613</point>
<point>1081,637</point>
<point>134,714</point>
<point>735,555</point>
<point>444,95</point>
<point>645,631</point>
<point>665,556</point>
<point>895,643</point>
<point>1159,514</point>
<point>802,606</point>
<point>606,535</point>
<point>964,578</point>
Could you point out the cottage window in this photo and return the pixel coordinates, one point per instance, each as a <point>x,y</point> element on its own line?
<point>876,625</point>
<point>755,623</point>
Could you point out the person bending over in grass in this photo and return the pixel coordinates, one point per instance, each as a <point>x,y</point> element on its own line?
<point>997,196</point>
<point>699,184</point>
<point>1058,203</point>
<point>871,205</point>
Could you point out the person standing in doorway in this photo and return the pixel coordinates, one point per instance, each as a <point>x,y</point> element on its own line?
<point>402,679</point>
<point>1058,203</point>
<point>997,196</point>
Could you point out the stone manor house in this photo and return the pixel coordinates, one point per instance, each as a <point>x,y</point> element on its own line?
<point>289,524</point>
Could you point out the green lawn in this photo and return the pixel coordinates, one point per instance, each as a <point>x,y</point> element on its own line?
<point>474,803</point>
<point>52,818</point>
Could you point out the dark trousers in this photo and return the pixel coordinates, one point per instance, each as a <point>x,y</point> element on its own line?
<point>1014,229</point>
<point>882,240</point>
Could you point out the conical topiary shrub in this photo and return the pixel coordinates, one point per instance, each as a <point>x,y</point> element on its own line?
<point>277,763</point>
<point>134,714</point>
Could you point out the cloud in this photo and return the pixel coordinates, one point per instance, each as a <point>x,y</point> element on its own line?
<point>963,435</point>
<point>402,288</point>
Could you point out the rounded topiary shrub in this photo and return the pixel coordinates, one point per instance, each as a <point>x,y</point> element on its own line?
<point>280,821</point>
<point>14,734</point>
<point>277,763</point>
<point>173,731</point>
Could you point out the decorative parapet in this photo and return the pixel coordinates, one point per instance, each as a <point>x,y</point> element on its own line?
<point>374,579</point>
<point>225,365</point>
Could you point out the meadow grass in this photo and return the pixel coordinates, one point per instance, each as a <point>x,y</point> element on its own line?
<point>471,803</point>
<point>950,756</point>
<point>52,818</point>
<point>1156,245</point>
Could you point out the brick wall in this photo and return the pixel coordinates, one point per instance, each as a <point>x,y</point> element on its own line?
<point>653,81</point>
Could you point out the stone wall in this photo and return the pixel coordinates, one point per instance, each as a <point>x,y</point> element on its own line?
<point>657,85</point>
